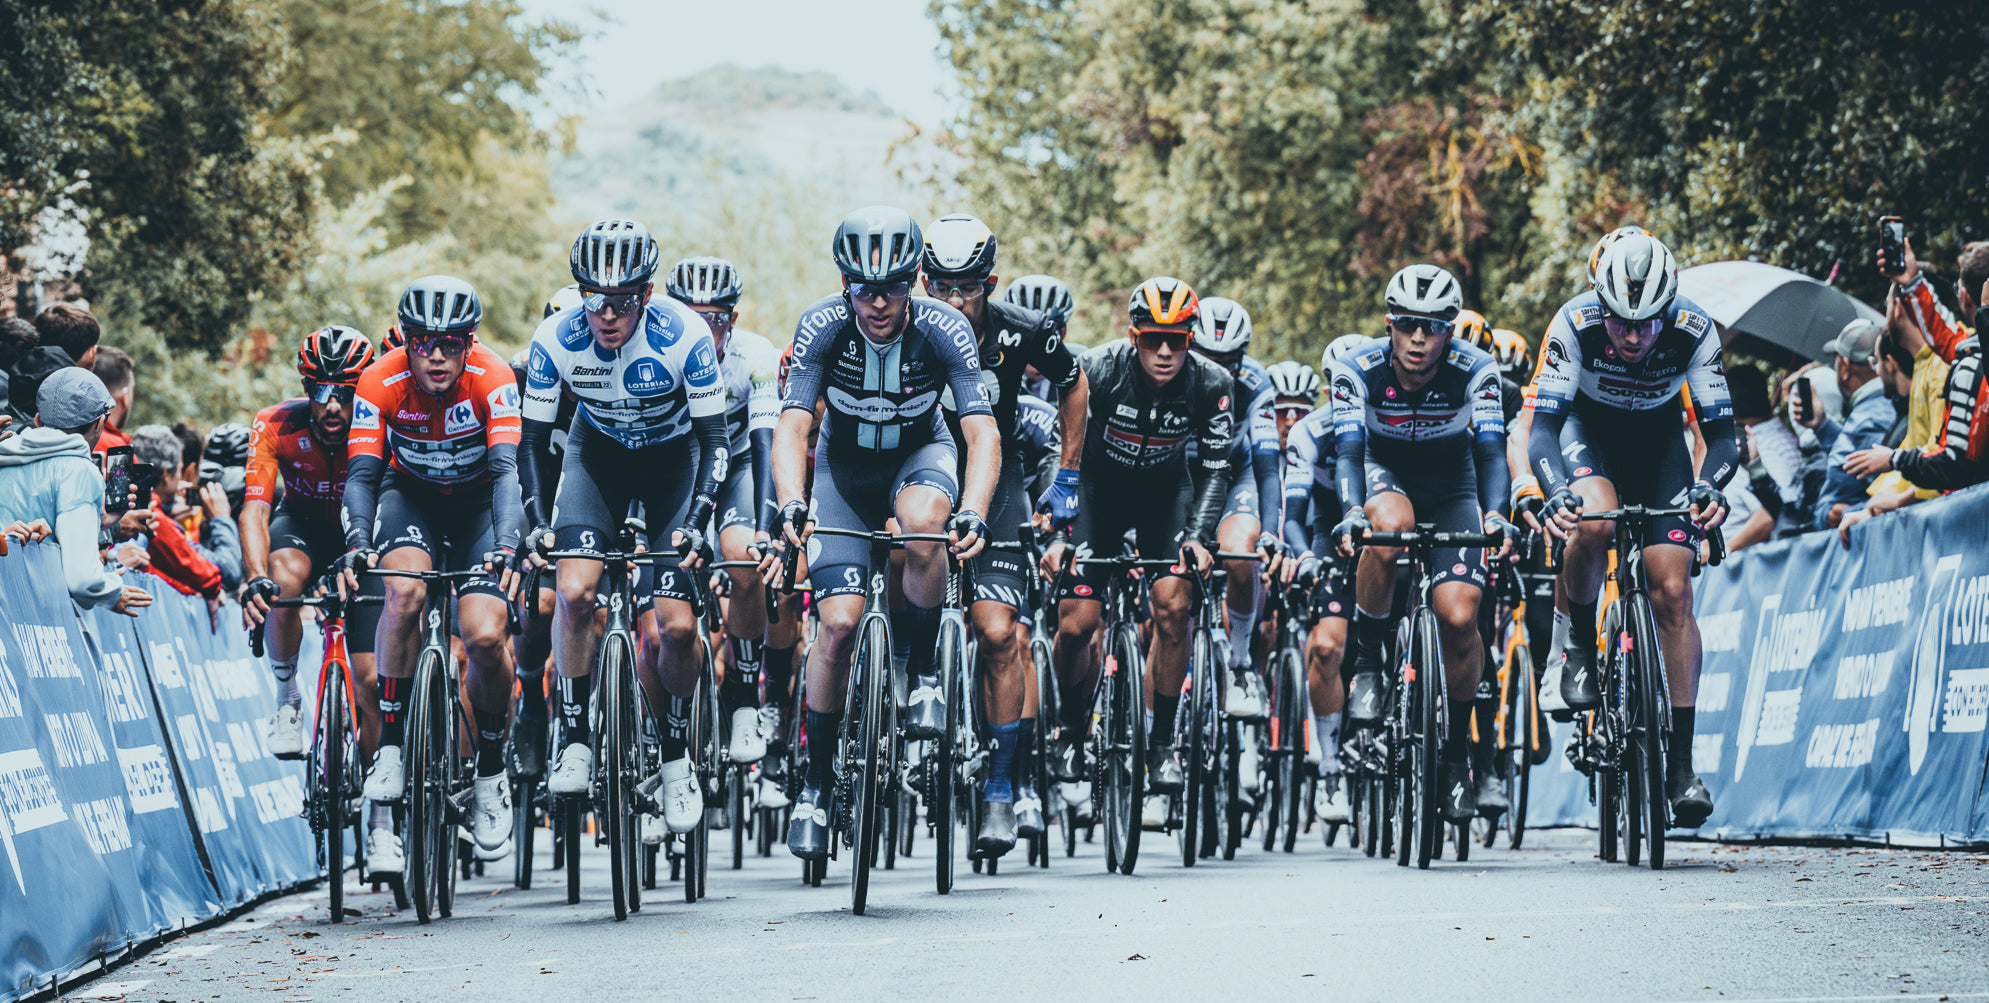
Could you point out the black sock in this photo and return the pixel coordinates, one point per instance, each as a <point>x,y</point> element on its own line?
<point>392,730</point>
<point>1482,749</point>
<point>1073,712</point>
<point>1370,634</point>
<point>742,685</point>
<point>1581,625</point>
<point>822,729</point>
<point>1025,749</point>
<point>675,740</point>
<point>777,667</point>
<point>920,627</point>
<point>1458,749</point>
<point>1164,709</point>
<point>490,743</point>
<point>1680,753</point>
<point>532,696</point>
<point>573,694</point>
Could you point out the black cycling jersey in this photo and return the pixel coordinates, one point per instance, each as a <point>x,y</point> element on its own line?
<point>883,398</point>
<point>1011,340</point>
<point>1132,430</point>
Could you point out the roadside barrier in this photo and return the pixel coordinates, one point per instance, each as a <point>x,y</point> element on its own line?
<point>136,797</point>
<point>1844,693</point>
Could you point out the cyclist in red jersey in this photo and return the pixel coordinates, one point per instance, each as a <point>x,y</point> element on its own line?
<point>433,481</point>
<point>302,441</point>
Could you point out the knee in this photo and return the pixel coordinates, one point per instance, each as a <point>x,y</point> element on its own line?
<point>1458,616</point>
<point>1002,634</point>
<point>576,594</point>
<point>1594,536</point>
<point>1170,617</point>
<point>1237,534</point>
<point>1671,595</point>
<point>838,626</point>
<point>924,516</point>
<point>485,643</point>
<point>404,598</point>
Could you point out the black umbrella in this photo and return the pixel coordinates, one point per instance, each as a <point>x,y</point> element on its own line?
<point>1771,312</point>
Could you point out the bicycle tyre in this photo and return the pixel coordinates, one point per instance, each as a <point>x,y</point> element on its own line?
<point>943,812</point>
<point>332,749</point>
<point>1607,807</point>
<point>1522,716</point>
<point>711,759</point>
<point>1291,742</point>
<point>1652,702</point>
<point>569,836</point>
<point>1048,709</point>
<point>1426,664</point>
<point>874,659</point>
<point>428,855</point>
<point>1122,763</point>
<point>524,830</point>
<point>618,821</point>
<point>1195,709</point>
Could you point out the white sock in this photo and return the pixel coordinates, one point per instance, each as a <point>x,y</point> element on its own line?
<point>1239,637</point>
<point>383,817</point>
<point>1326,729</point>
<point>286,682</point>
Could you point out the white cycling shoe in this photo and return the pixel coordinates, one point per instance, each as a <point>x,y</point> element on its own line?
<point>490,816</point>
<point>1329,800</point>
<point>749,745</point>
<point>677,790</point>
<point>1551,700</point>
<point>1245,695</point>
<point>770,793</point>
<point>575,771</point>
<point>283,732</point>
<point>387,780</point>
<point>383,854</point>
<point>1153,814</point>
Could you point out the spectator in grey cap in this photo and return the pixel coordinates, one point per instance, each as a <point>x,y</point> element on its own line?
<point>49,485</point>
<point>1870,415</point>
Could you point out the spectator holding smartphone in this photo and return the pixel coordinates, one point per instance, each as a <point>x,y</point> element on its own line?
<point>171,555</point>
<point>50,485</point>
<point>1855,352</point>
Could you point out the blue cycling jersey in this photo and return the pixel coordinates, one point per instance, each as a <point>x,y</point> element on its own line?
<point>644,393</point>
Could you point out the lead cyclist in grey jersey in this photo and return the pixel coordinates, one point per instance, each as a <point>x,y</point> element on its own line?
<point>879,359</point>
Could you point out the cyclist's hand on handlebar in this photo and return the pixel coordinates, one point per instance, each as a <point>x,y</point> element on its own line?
<point>1709,506</point>
<point>1054,556</point>
<point>1304,570</point>
<point>969,532</point>
<point>503,562</point>
<point>768,555</point>
<point>1196,557</point>
<point>256,596</point>
<point>794,523</point>
<point>690,542</point>
<point>1350,530</point>
<point>535,547</point>
<point>1566,509</point>
<point>1508,534</point>
<point>1271,550</point>
<point>349,567</point>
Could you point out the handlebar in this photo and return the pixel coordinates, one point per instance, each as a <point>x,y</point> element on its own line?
<point>1431,538</point>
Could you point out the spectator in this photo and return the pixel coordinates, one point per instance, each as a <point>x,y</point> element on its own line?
<point>17,338</point>
<point>72,329</point>
<point>1923,402</point>
<point>1895,372</point>
<point>170,555</point>
<point>1776,447</point>
<point>1870,416</point>
<point>113,367</point>
<point>25,379</point>
<point>49,485</point>
<point>202,508</point>
<point>1916,288</point>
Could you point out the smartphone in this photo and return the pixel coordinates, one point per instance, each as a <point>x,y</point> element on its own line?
<point>1805,401</point>
<point>118,461</point>
<point>1892,245</point>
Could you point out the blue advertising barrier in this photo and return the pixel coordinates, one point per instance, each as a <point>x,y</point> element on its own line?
<point>135,795</point>
<point>1844,692</point>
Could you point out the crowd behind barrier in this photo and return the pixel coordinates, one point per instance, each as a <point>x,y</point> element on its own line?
<point>1844,693</point>
<point>136,797</point>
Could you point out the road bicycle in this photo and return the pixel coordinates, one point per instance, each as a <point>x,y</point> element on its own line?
<point>332,802</point>
<point>1119,736</point>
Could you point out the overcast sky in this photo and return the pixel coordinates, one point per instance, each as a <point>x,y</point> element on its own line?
<point>887,46</point>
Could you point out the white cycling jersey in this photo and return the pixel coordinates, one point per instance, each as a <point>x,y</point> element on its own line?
<point>666,374</point>
<point>750,371</point>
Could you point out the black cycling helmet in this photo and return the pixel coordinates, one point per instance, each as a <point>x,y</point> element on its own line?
<point>878,244</point>
<point>614,253</point>
<point>228,444</point>
<point>334,354</point>
<point>440,304</point>
<point>705,281</point>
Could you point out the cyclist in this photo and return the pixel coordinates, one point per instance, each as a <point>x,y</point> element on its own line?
<point>1047,295</point>
<point>1150,395</point>
<point>1222,336</point>
<point>880,358</point>
<point>959,267</point>
<point>1039,446</point>
<point>433,480</point>
<point>1606,414</point>
<point>749,366</point>
<point>1515,360</point>
<point>1419,436</point>
<point>649,427</point>
<point>1311,502</point>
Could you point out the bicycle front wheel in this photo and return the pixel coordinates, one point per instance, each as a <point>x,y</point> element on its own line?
<point>1426,665</point>
<point>620,754</point>
<point>333,755</point>
<point>1122,759</point>
<point>1197,710</point>
<point>1651,729</point>
<point>1292,706</point>
<point>867,733</point>
<point>430,843</point>
<point>1522,734</point>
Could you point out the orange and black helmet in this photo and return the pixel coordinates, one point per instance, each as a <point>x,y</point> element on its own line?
<point>1163,300</point>
<point>392,339</point>
<point>334,355</point>
<point>1471,328</point>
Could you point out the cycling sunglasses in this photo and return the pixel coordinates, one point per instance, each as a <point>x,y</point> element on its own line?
<point>948,290</point>
<point>600,303</point>
<point>1151,339</point>
<point>893,291</point>
<point>452,345</point>
<point>1619,328</point>
<point>1409,322</point>
<point>718,318</point>
<point>325,393</point>
<point>1295,410</point>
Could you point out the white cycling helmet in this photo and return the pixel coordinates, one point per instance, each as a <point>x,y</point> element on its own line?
<point>959,246</point>
<point>1222,326</point>
<point>1293,379</point>
<point>1595,256</point>
<point>1636,277</point>
<point>1341,349</point>
<point>1045,294</point>
<point>1425,289</point>
<point>566,297</point>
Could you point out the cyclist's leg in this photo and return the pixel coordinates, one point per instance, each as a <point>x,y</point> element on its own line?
<point>1238,532</point>
<point>589,507</point>
<point>1389,511</point>
<point>1167,650</point>
<point>745,637</point>
<point>1000,590</point>
<point>922,499</point>
<point>403,536</point>
<point>1325,646</point>
<point>482,621</point>
<point>1101,520</point>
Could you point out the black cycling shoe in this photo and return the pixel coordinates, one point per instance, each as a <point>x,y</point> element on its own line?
<point>925,708</point>
<point>808,830</point>
<point>1492,800</point>
<point>1364,696</point>
<point>1029,822</point>
<point>1459,795</point>
<point>1578,682</point>
<point>1073,760</point>
<point>1691,802</point>
<point>1163,772</point>
<point>998,830</point>
<point>525,753</point>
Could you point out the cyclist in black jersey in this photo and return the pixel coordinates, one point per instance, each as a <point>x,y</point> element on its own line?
<point>1150,396</point>
<point>880,359</point>
<point>960,257</point>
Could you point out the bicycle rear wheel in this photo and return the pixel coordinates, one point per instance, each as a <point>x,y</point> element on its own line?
<point>866,733</point>
<point>1291,745</point>
<point>430,847</point>
<point>1198,706</point>
<point>1651,728</point>
<point>1521,736</point>
<point>708,747</point>
<point>943,811</point>
<point>1048,710</point>
<point>332,750</point>
<point>1426,664</point>
<point>1122,757</point>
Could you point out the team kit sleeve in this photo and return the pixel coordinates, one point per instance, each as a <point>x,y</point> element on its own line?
<point>365,459</point>
<point>813,337</point>
<point>497,393</point>
<point>261,474</point>
<point>1706,384</point>
<point>704,393</point>
<point>1212,421</point>
<point>1053,358</point>
<point>1349,436</point>
<point>1301,452</point>
<point>1488,436</point>
<point>538,412</point>
<point>762,414</point>
<point>954,340</point>
<point>1266,457</point>
<point>1554,389</point>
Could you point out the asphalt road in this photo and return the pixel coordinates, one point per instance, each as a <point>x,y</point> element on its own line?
<point>1547,922</point>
